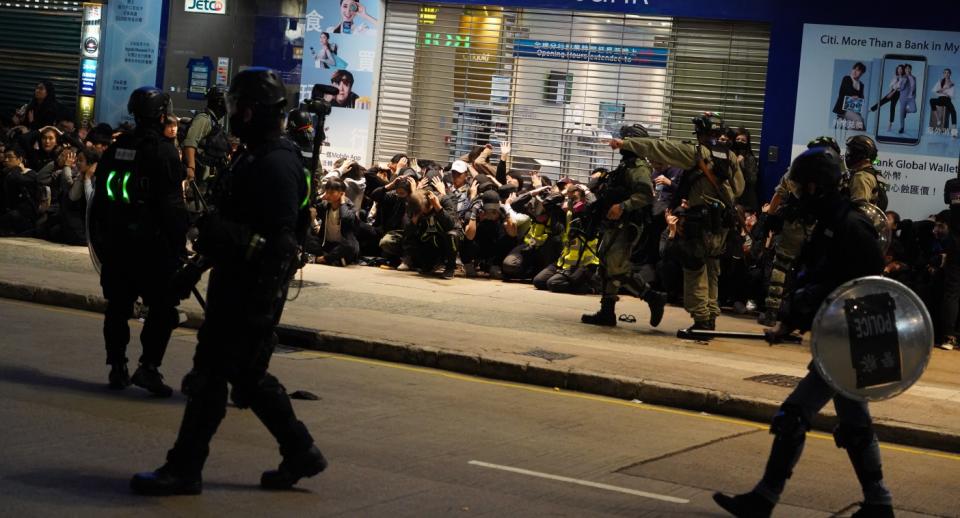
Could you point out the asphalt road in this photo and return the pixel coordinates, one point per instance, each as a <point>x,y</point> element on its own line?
<point>402,441</point>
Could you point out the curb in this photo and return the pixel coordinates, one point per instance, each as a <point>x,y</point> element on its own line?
<point>619,387</point>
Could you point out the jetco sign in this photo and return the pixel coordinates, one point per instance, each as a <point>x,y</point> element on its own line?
<point>206,6</point>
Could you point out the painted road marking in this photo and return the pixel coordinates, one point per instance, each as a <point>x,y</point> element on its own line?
<point>529,388</point>
<point>579,482</point>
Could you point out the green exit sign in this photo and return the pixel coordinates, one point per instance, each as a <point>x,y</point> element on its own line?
<point>446,40</point>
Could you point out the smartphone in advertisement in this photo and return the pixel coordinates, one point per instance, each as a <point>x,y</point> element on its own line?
<point>900,107</point>
<point>346,27</point>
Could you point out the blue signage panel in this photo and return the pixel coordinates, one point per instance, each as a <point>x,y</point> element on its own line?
<point>596,53</point>
<point>131,55</point>
<point>199,70</point>
<point>88,77</point>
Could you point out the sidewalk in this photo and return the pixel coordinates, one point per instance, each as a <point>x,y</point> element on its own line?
<point>513,332</point>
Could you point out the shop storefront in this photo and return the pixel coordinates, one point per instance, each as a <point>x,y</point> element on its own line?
<point>40,40</point>
<point>557,83</point>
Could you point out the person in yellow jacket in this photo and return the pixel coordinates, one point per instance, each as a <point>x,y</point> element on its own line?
<point>705,203</point>
<point>576,268</point>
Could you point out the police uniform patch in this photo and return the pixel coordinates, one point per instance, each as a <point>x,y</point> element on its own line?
<point>125,154</point>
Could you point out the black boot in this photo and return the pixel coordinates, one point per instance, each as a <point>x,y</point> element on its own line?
<point>657,300</point>
<point>607,315</point>
<point>119,376</point>
<point>702,325</point>
<point>165,482</point>
<point>874,511</point>
<point>747,505</point>
<point>149,378</point>
<point>291,470</point>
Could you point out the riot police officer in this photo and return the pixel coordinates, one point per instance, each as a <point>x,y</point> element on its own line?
<point>252,242</point>
<point>864,183</point>
<point>205,147</point>
<point>792,232</point>
<point>711,182</point>
<point>624,199</point>
<point>844,245</point>
<point>138,230</point>
<point>300,131</point>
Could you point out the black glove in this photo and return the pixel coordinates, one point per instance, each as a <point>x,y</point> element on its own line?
<point>186,279</point>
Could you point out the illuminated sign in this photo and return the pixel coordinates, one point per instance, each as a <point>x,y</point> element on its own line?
<point>206,6</point>
<point>88,77</point>
<point>446,40</point>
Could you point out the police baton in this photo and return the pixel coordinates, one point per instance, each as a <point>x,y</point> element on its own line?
<point>704,334</point>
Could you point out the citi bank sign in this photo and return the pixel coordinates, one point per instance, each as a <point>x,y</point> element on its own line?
<point>206,6</point>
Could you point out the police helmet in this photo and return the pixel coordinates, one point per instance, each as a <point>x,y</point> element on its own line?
<point>860,148</point>
<point>820,166</point>
<point>824,141</point>
<point>634,130</point>
<point>708,122</point>
<point>298,120</point>
<point>259,88</point>
<point>149,104</point>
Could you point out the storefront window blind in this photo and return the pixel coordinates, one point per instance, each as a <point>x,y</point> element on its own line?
<point>556,84</point>
<point>39,40</point>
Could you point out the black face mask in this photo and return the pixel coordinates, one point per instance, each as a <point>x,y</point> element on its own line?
<point>740,146</point>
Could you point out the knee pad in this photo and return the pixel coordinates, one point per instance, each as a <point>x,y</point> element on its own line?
<point>789,424</point>
<point>853,437</point>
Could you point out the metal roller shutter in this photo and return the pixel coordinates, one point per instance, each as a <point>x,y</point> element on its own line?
<point>718,66</point>
<point>39,40</point>
<point>456,76</point>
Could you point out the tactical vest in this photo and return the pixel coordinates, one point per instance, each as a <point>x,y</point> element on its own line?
<point>123,186</point>
<point>214,146</point>
<point>879,195</point>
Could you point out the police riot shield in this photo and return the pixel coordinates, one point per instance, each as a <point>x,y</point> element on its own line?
<point>872,339</point>
<point>879,219</point>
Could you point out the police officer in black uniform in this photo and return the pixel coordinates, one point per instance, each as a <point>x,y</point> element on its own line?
<point>844,246</point>
<point>251,240</point>
<point>138,230</point>
<point>300,131</point>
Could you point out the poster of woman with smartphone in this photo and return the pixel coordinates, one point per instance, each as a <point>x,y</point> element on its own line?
<point>354,19</point>
<point>908,74</point>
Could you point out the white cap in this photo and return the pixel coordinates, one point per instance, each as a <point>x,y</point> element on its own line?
<point>460,167</point>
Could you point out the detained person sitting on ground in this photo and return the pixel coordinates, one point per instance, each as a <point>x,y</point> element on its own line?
<point>575,271</point>
<point>431,236</point>
<point>332,239</point>
<point>391,200</point>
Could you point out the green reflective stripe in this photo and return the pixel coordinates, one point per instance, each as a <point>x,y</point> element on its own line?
<point>126,195</point>
<point>110,195</point>
<point>306,199</point>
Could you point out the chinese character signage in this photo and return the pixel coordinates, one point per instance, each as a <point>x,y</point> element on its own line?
<point>895,86</point>
<point>340,49</point>
<point>92,14</point>
<point>206,6</point>
<point>130,54</point>
<point>595,53</point>
<point>88,77</point>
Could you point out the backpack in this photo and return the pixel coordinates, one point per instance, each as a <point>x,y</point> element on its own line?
<point>214,146</point>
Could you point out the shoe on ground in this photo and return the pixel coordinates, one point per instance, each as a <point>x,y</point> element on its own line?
<point>600,318</point>
<point>751,306</point>
<point>448,272</point>
<point>702,325</point>
<point>747,505</point>
<point>470,270</point>
<point>292,470</point>
<point>874,511</point>
<point>767,319</point>
<point>119,376</point>
<point>949,343</point>
<point>164,482</point>
<point>495,272</point>
<point>149,378</point>
<point>739,308</point>
<point>404,267</point>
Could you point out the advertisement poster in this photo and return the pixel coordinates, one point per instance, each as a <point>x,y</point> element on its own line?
<point>897,87</point>
<point>339,51</point>
<point>129,55</point>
